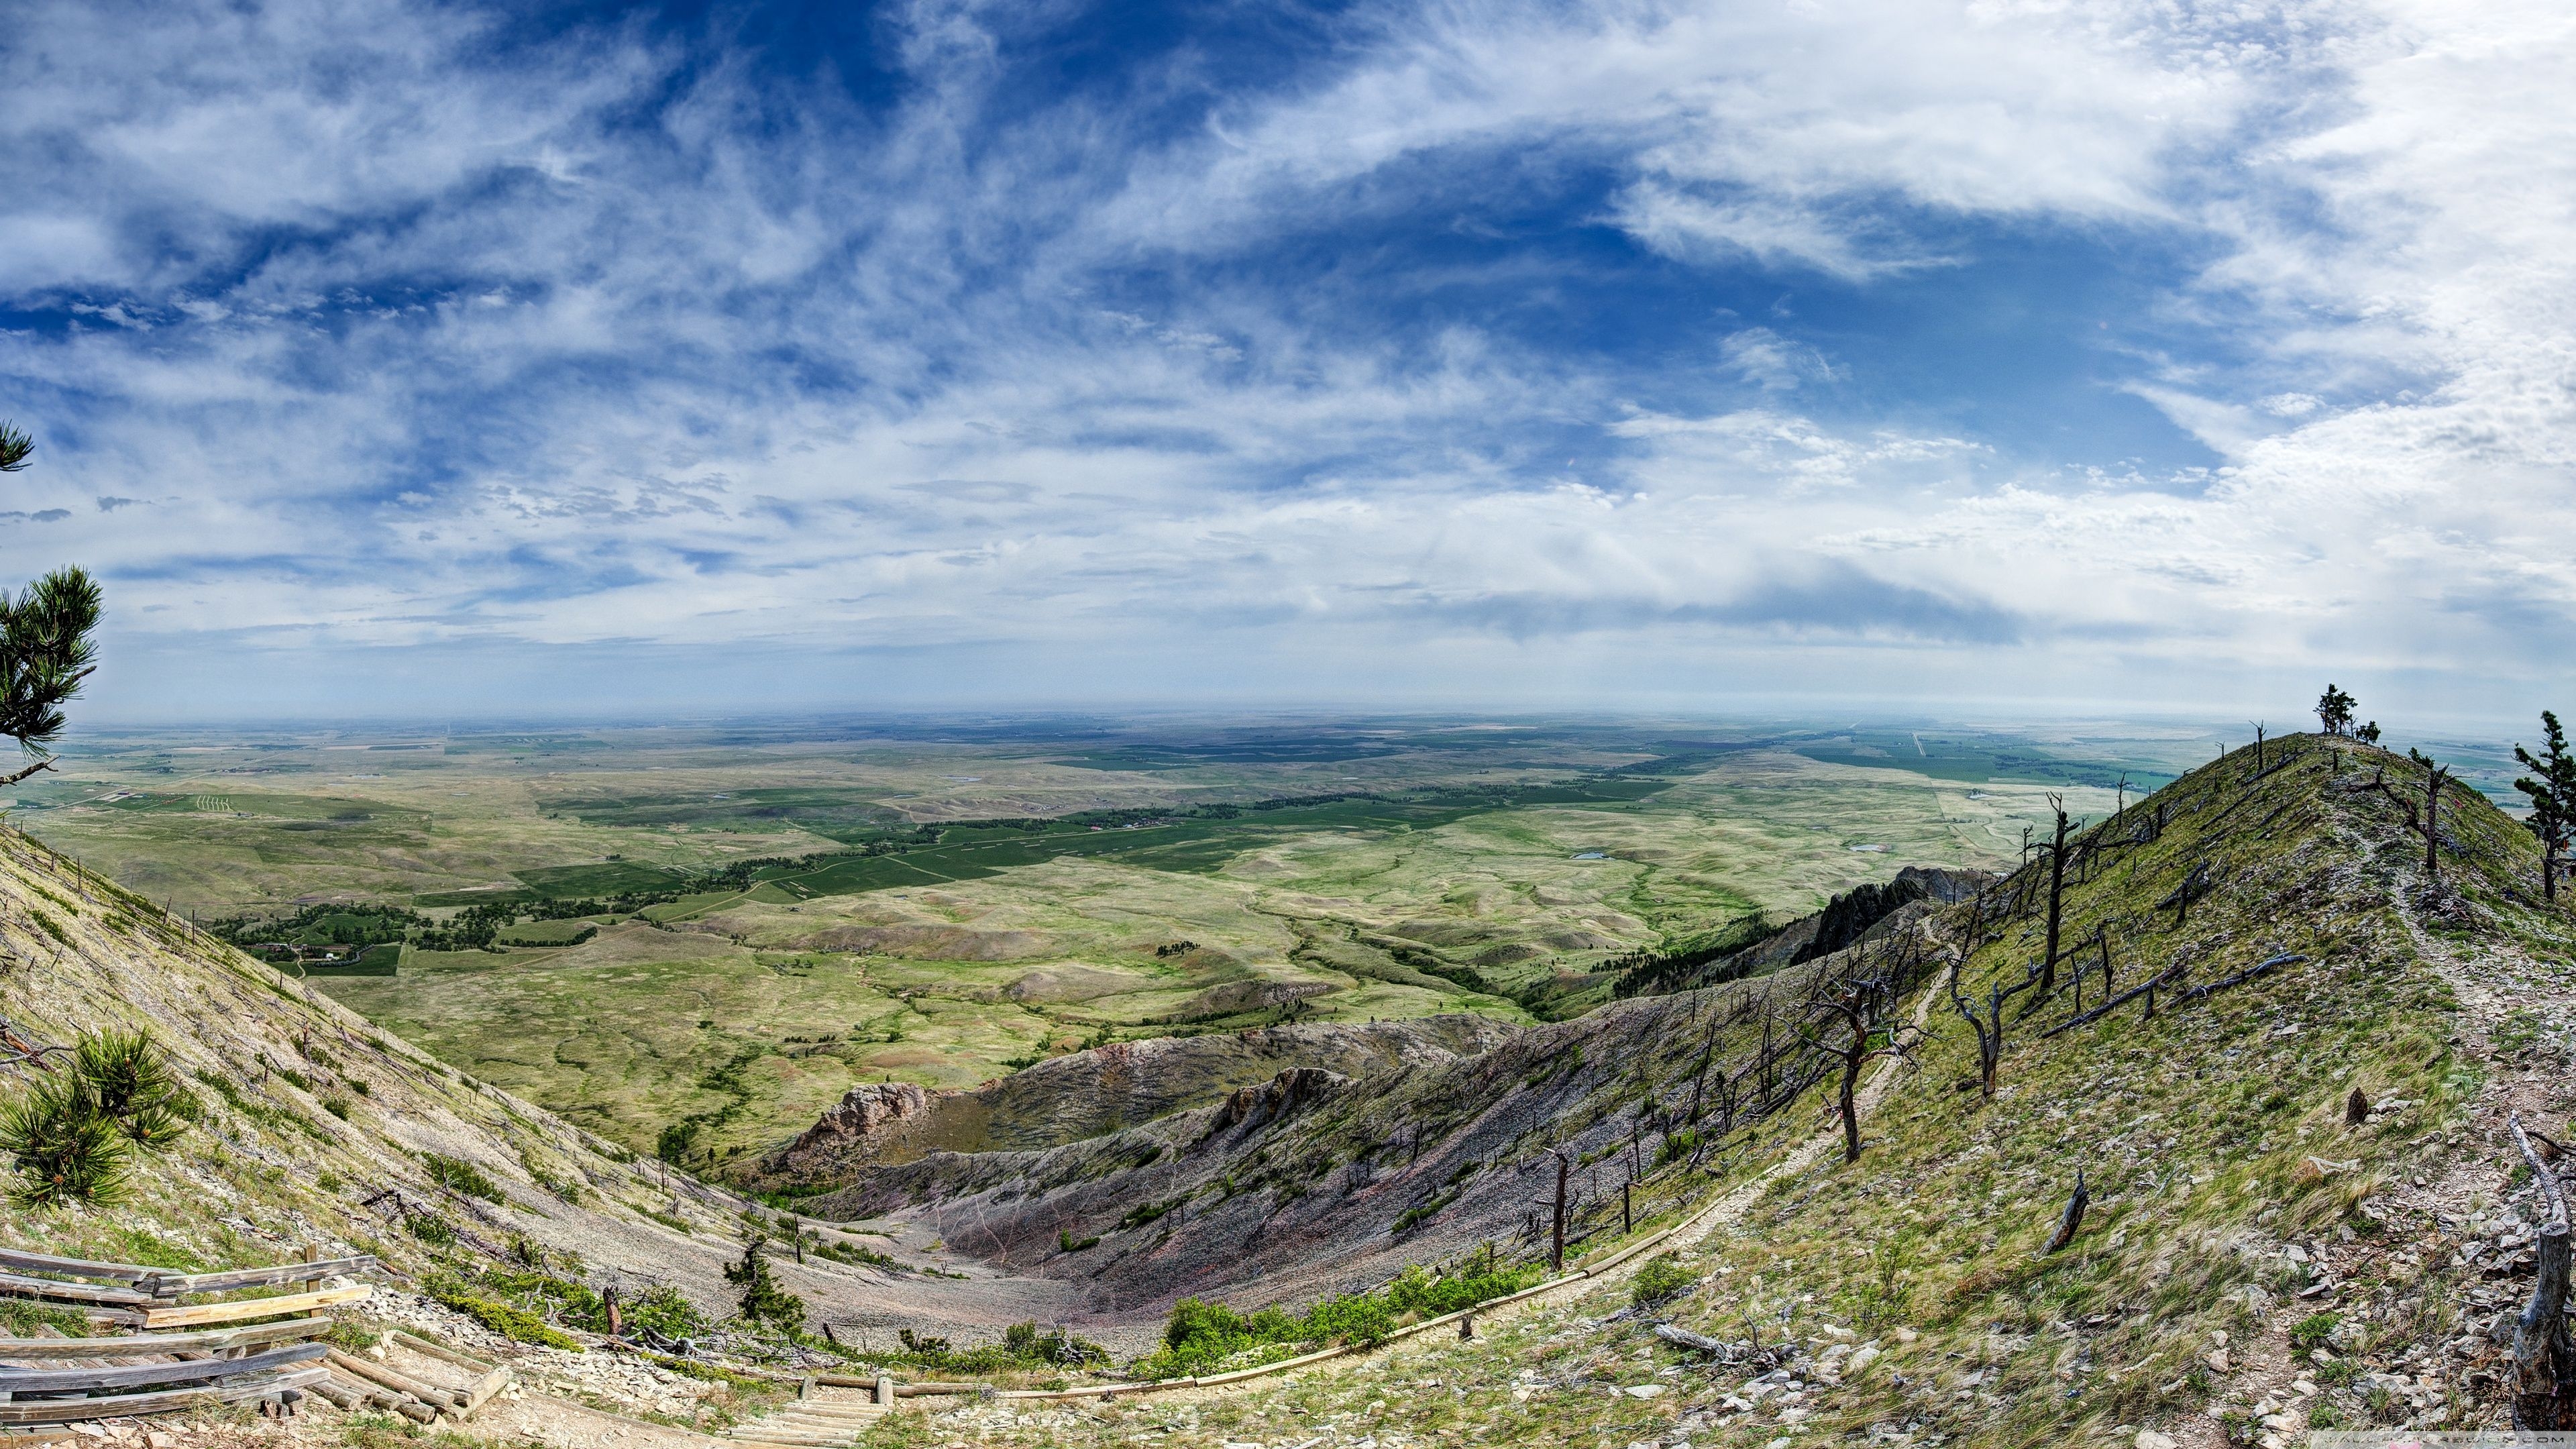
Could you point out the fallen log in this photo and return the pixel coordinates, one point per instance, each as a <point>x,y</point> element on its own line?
<point>2286,958</point>
<point>2544,1353</point>
<point>377,1373</point>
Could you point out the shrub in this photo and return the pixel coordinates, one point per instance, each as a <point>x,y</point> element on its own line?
<point>1662,1277</point>
<point>337,1106</point>
<point>457,1175</point>
<point>1678,1146</point>
<point>1066,1242</point>
<point>64,1148</point>
<point>2314,1330</point>
<point>1201,1335</point>
<point>134,1087</point>
<point>432,1229</point>
<point>1024,1342</point>
<point>763,1301</point>
<point>663,1309</point>
<point>515,1324</point>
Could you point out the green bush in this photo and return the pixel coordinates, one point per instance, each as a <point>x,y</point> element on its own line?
<point>1660,1278</point>
<point>432,1229</point>
<point>68,1137</point>
<point>2314,1330</point>
<point>665,1310</point>
<point>64,1148</point>
<point>763,1301</point>
<point>515,1324</point>
<point>1065,1241</point>
<point>1199,1336</point>
<point>457,1175</point>
<point>134,1086</point>
<point>337,1106</point>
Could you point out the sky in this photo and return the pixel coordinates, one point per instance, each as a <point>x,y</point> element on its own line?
<point>399,358</point>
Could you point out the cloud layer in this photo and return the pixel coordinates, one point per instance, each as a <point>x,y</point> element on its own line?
<point>393,356</point>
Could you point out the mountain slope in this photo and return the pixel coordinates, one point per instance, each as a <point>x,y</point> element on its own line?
<point>2251,1264</point>
<point>273,1163</point>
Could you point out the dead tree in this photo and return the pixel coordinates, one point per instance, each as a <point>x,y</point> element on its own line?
<point>2544,1355</point>
<point>1853,1009</point>
<point>2435,776</point>
<point>2056,894</point>
<point>2073,1219</point>
<point>1556,1243</point>
<point>1990,1027</point>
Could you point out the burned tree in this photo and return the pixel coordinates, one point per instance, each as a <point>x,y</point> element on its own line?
<point>2552,788</point>
<point>2056,895</point>
<point>1853,1008</point>
<point>2435,776</point>
<point>1989,1027</point>
<point>2544,1354</point>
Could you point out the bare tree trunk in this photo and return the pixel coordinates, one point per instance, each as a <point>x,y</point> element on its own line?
<point>1556,1245</point>
<point>2433,823</point>
<point>2544,1356</point>
<point>2073,1220</point>
<point>2056,896</point>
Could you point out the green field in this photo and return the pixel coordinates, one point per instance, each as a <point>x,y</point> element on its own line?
<point>1030,888</point>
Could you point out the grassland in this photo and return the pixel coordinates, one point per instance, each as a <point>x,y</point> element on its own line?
<point>1119,883</point>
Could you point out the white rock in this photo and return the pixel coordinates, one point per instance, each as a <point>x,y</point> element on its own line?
<point>1862,1358</point>
<point>2150,1439</point>
<point>1643,1391</point>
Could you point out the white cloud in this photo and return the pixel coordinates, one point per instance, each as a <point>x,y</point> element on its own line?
<point>413,338</point>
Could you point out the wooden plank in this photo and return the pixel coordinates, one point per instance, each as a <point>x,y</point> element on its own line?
<point>253,1307</point>
<point>117,1406</point>
<point>77,1267</point>
<point>172,1285</point>
<point>485,1387</point>
<point>212,1340</point>
<point>427,1393</point>
<point>25,1287</point>
<point>93,1380</point>
<point>420,1345</point>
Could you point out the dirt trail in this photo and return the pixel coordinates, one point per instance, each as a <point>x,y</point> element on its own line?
<point>2492,980</point>
<point>1724,1211</point>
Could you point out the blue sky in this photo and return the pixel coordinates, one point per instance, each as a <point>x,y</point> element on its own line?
<point>399,357</point>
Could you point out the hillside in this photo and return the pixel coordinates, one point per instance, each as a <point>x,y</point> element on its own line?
<point>2251,1264</point>
<point>314,1127</point>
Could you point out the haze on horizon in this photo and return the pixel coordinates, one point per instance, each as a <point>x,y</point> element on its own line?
<point>421,359</point>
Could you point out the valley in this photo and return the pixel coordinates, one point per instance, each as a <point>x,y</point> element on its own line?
<point>941,905</point>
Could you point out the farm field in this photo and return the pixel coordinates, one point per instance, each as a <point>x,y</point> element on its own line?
<point>1033,887</point>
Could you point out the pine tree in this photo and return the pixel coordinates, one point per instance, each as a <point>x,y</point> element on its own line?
<point>2552,788</point>
<point>2334,711</point>
<point>763,1301</point>
<point>46,648</point>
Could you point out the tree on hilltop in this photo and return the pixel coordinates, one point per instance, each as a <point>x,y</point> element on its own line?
<point>2552,788</point>
<point>46,643</point>
<point>2334,711</point>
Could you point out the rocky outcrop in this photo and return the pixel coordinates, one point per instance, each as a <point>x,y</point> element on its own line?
<point>864,1111</point>
<point>1109,1089</point>
<point>1258,1106</point>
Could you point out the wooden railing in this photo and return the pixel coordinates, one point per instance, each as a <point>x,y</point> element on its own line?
<point>68,1380</point>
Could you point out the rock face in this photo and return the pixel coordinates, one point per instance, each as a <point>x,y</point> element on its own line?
<point>864,1111</point>
<point>1269,1101</point>
<point>1109,1089</point>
